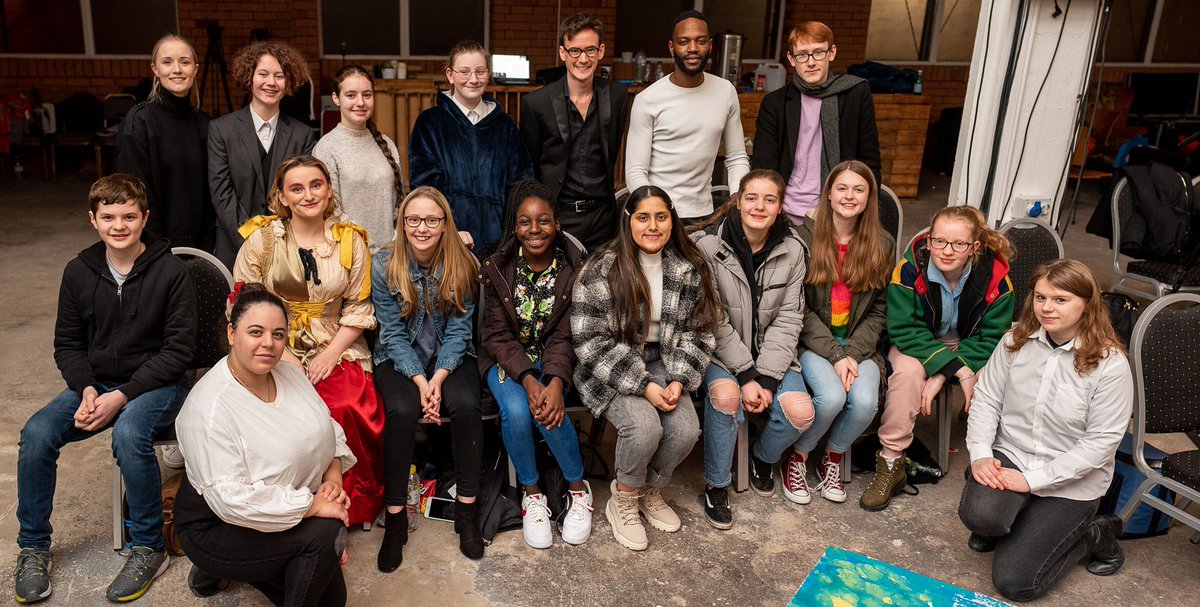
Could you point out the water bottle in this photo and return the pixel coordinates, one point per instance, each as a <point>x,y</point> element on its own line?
<point>919,85</point>
<point>658,72</point>
<point>639,64</point>
<point>414,498</point>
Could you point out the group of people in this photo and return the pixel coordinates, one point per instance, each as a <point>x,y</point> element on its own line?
<point>783,302</point>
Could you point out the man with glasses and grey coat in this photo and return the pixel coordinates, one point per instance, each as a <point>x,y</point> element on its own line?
<point>814,122</point>
<point>573,127</point>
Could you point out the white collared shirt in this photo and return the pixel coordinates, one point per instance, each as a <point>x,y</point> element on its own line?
<point>480,111</point>
<point>265,129</point>
<point>1061,429</point>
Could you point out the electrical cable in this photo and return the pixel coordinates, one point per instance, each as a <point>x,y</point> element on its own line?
<point>985,201</point>
<point>987,40</point>
<point>1032,111</point>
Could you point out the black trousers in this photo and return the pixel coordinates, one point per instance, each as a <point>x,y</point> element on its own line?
<point>594,228</point>
<point>402,406</point>
<point>293,568</point>
<point>1039,538</point>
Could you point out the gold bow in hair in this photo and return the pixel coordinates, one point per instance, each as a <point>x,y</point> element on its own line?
<point>343,233</point>
<point>254,224</point>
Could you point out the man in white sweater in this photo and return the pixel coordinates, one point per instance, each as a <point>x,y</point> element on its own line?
<point>678,124</point>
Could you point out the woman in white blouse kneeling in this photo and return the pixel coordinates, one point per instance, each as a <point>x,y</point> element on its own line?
<point>264,502</point>
<point>1049,412</point>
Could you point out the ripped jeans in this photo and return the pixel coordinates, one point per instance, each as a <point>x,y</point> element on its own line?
<point>723,415</point>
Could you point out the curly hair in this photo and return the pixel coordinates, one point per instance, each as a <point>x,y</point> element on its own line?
<point>295,67</point>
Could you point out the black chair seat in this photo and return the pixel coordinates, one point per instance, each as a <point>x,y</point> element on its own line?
<point>1165,271</point>
<point>1183,467</point>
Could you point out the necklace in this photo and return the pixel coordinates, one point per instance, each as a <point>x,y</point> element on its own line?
<point>270,386</point>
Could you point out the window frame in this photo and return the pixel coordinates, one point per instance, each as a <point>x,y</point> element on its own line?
<point>405,40</point>
<point>935,38</point>
<point>89,40</point>
<point>1151,40</point>
<point>779,40</point>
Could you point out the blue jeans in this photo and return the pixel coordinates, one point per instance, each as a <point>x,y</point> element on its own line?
<point>848,413</point>
<point>720,428</point>
<point>134,429</point>
<point>516,425</point>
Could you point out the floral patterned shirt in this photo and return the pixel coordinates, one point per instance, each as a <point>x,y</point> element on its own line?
<point>534,298</point>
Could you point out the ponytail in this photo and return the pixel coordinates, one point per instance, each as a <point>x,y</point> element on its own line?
<point>989,238</point>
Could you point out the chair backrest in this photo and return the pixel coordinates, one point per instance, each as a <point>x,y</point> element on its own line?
<point>116,106</point>
<point>891,215</point>
<point>1166,365</point>
<point>1035,243</point>
<point>213,283</point>
<point>1121,208</point>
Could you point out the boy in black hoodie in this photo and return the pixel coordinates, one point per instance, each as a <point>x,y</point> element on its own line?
<point>124,338</point>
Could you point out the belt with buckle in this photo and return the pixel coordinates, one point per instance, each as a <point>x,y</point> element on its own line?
<point>581,207</point>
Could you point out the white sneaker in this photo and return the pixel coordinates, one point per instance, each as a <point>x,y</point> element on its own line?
<point>577,523</point>
<point>535,521</point>
<point>172,457</point>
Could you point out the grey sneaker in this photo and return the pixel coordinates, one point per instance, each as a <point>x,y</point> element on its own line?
<point>33,575</point>
<point>142,567</point>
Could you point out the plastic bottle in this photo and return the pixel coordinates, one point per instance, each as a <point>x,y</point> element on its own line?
<point>639,64</point>
<point>18,170</point>
<point>658,72</point>
<point>414,498</point>
<point>919,85</point>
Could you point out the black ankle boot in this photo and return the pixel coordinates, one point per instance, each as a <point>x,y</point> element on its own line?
<point>395,536</point>
<point>466,524</point>
<point>981,543</point>
<point>1106,554</point>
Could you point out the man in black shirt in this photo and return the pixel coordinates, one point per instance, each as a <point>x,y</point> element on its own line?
<point>573,128</point>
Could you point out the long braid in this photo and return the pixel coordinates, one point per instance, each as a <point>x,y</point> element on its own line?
<point>397,179</point>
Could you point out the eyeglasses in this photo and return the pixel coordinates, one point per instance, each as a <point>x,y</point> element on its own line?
<point>958,247</point>
<point>575,51</point>
<point>802,57</point>
<point>480,72</point>
<point>431,222</point>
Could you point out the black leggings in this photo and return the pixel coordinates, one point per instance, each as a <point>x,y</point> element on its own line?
<point>402,403</point>
<point>293,568</point>
<point>1039,538</point>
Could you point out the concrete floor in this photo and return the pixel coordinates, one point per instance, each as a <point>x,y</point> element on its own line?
<point>762,561</point>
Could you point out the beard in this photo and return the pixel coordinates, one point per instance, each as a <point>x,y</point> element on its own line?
<point>681,63</point>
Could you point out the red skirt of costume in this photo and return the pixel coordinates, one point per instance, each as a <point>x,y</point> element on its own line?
<point>349,392</point>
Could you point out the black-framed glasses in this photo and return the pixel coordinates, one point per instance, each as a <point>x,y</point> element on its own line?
<point>958,246</point>
<point>432,222</point>
<point>480,72</point>
<point>575,51</point>
<point>818,55</point>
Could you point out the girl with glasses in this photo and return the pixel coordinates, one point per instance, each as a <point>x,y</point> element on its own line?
<point>758,264</point>
<point>361,159</point>
<point>164,142</point>
<point>423,285</point>
<point>949,302</point>
<point>643,314</point>
<point>467,148</point>
<point>320,267</point>
<point>1050,410</point>
<point>845,292</point>
<point>528,358</point>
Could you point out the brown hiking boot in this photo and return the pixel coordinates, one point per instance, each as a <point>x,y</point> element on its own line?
<point>884,485</point>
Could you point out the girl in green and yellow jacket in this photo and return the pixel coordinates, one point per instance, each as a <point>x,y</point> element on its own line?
<point>949,303</point>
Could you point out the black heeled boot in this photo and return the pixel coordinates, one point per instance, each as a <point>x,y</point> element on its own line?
<point>395,536</point>
<point>1106,554</point>
<point>466,525</point>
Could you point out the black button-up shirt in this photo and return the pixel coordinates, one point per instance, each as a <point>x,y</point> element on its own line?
<point>586,177</point>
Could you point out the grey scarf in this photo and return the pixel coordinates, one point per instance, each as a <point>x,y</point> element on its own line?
<point>831,146</point>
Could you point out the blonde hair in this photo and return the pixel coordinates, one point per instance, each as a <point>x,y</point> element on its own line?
<point>456,262</point>
<point>993,240</point>
<point>156,89</point>
<point>867,262</point>
<point>275,198</point>
<point>1095,338</point>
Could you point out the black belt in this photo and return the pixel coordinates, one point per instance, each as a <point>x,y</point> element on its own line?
<point>581,207</point>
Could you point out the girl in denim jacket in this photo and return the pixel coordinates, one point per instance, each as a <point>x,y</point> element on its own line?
<point>424,292</point>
